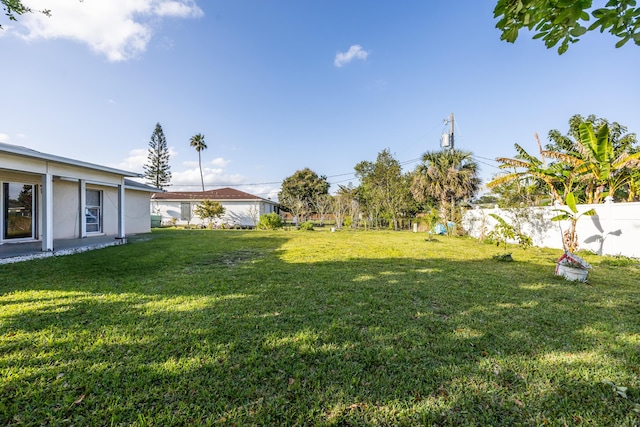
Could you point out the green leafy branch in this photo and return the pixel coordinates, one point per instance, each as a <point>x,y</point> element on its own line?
<point>621,391</point>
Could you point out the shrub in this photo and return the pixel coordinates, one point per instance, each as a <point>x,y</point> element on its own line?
<point>306,226</point>
<point>503,232</point>
<point>270,221</point>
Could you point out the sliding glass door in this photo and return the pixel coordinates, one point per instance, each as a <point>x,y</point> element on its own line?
<point>19,208</point>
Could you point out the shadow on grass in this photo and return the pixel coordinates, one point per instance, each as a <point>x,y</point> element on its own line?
<point>224,330</point>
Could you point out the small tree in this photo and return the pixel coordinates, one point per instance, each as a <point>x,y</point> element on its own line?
<point>210,210</point>
<point>570,236</point>
<point>157,170</point>
<point>297,206</point>
<point>384,189</point>
<point>254,214</point>
<point>322,204</point>
<point>503,232</point>
<point>339,208</point>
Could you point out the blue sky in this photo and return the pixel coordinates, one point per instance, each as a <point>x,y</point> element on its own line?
<point>276,86</point>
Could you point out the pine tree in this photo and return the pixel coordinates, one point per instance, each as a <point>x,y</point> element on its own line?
<point>157,170</point>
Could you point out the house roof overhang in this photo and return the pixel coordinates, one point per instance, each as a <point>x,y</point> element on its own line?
<point>27,152</point>
<point>225,194</point>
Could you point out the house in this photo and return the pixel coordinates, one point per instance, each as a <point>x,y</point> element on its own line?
<point>241,209</point>
<point>44,197</point>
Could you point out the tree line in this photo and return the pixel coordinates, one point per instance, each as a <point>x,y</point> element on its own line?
<point>594,161</point>
<point>386,197</point>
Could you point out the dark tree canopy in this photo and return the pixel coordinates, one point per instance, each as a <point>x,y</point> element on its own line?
<point>620,139</point>
<point>565,21</point>
<point>304,185</point>
<point>157,170</point>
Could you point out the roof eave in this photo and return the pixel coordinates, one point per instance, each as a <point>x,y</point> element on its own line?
<point>26,152</point>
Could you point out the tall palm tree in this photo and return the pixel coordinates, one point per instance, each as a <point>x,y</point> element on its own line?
<point>197,141</point>
<point>446,176</point>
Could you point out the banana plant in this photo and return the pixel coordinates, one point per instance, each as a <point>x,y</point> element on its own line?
<point>596,163</point>
<point>569,236</point>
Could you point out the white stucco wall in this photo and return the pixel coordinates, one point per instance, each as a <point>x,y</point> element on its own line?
<point>137,216</point>
<point>66,210</point>
<point>236,212</point>
<point>614,230</point>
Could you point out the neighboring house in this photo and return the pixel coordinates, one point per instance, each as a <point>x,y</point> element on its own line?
<point>241,209</point>
<point>45,197</point>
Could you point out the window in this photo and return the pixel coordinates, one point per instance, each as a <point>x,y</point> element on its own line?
<point>93,211</point>
<point>19,208</point>
<point>185,211</point>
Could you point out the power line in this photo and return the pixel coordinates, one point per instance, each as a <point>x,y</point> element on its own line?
<point>228,185</point>
<point>350,174</point>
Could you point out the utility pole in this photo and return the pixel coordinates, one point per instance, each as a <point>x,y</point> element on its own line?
<point>451,127</point>
<point>448,139</point>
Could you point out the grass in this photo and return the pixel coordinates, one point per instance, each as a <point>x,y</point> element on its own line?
<point>205,327</point>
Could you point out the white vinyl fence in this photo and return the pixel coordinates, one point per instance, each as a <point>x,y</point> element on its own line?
<point>614,230</point>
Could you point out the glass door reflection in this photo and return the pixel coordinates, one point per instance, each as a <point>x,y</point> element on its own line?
<point>19,203</point>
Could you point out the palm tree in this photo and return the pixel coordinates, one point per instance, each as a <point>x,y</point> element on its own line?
<point>447,177</point>
<point>197,141</point>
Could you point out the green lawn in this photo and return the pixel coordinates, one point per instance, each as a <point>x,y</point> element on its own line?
<point>205,327</point>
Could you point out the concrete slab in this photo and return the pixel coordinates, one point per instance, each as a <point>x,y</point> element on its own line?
<point>16,252</point>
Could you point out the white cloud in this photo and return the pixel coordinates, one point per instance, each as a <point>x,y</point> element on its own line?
<point>138,157</point>
<point>133,163</point>
<point>355,52</point>
<point>189,180</point>
<point>190,163</point>
<point>220,162</point>
<point>4,137</point>
<point>179,9</point>
<point>118,29</point>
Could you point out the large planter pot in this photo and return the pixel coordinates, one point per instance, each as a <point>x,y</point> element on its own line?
<point>572,273</point>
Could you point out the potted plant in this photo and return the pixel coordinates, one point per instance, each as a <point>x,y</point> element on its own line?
<point>572,267</point>
<point>569,265</point>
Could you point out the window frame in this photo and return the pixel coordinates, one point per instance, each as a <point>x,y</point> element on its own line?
<point>93,213</point>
